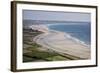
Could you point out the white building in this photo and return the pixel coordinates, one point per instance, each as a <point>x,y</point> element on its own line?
<point>40,27</point>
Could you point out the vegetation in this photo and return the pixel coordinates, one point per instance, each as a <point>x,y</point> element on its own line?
<point>32,53</point>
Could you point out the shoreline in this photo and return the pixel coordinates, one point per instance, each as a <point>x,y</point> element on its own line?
<point>57,41</point>
<point>67,35</point>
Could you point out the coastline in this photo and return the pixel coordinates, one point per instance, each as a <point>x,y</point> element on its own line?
<point>67,35</point>
<point>58,42</point>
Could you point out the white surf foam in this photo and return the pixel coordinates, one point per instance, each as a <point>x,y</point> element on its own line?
<point>67,35</point>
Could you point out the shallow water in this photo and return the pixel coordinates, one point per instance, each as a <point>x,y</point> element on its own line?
<point>79,30</point>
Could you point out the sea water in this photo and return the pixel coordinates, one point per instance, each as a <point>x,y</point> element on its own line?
<point>79,30</point>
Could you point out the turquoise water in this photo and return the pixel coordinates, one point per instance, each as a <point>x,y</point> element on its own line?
<point>79,30</point>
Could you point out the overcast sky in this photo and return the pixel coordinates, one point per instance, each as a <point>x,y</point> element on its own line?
<point>56,16</point>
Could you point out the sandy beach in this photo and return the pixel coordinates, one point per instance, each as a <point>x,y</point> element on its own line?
<point>63,44</point>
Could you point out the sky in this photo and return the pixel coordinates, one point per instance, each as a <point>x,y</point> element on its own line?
<point>56,16</point>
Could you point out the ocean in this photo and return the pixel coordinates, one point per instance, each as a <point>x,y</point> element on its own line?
<point>78,30</point>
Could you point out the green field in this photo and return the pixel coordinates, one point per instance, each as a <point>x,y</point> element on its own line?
<point>32,51</point>
<point>36,55</point>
